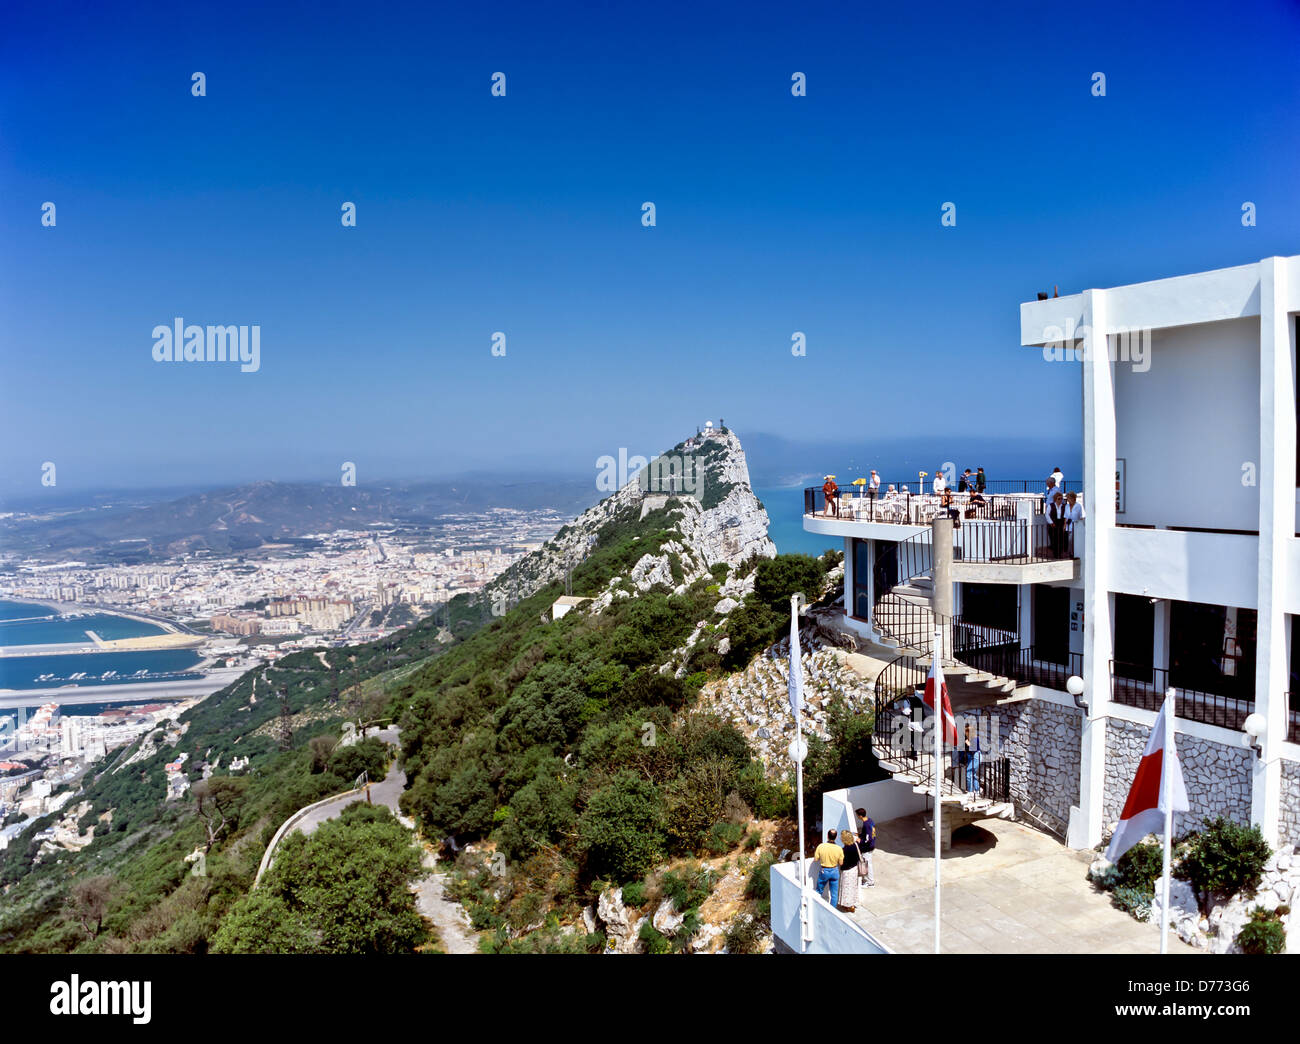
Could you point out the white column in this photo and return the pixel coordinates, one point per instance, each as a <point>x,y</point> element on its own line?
<point>1160,650</point>
<point>1086,822</point>
<point>1277,461</point>
<point>848,576</point>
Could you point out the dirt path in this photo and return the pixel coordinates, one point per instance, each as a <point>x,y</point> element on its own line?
<point>447,915</point>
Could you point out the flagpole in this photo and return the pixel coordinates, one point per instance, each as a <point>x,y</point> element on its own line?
<point>938,759</point>
<point>1166,797</point>
<point>796,701</point>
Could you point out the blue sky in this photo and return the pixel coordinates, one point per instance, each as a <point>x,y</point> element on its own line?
<point>522,214</point>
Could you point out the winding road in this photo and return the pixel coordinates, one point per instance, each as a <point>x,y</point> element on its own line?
<point>448,916</point>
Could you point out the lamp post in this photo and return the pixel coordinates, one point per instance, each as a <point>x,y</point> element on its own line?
<point>1255,726</point>
<point>1074,686</point>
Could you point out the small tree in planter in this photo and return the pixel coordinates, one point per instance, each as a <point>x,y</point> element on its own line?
<point>1225,858</point>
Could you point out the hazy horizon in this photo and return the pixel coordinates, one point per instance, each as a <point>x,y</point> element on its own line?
<point>777,217</point>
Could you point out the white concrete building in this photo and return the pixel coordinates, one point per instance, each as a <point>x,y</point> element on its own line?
<point>1185,574</point>
<point>1191,563</point>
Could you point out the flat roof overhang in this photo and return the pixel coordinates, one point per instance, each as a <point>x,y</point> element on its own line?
<point>1015,572</point>
<point>848,527</point>
<point>1187,300</point>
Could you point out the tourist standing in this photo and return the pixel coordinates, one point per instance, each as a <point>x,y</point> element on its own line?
<point>866,846</point>
<point>1056,524</point>
<point>849,873</point>
<point>873,486</point>
<point>965,483</point>
<point>1073,513</point>
<point>970,756</point>
<point>1058,478</point>
<point>830,857</point>
<point>831,494</point>
<point>981,481</point>
<point>939,484</point>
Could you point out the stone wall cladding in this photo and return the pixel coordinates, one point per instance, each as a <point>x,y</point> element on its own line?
<point>1289,827</point>
<point>1043,741</point>
<point>1217,776</point>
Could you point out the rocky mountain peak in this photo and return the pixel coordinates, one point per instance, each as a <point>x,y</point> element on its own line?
<point>709,515</point>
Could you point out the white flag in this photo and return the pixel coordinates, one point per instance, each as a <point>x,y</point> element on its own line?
<point>796,670</point>
<point>1144,811</point>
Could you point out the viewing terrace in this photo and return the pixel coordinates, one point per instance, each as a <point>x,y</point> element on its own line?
<point>897,503</point>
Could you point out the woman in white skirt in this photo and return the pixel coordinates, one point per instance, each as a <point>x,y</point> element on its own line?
<point>849,872</point>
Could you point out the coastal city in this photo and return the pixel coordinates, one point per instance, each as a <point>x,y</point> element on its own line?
<point>337,589</point>
<point>225,615</point>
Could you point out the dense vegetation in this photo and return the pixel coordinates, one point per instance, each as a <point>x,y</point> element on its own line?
<point>343,889</point>
<point>576,748</point>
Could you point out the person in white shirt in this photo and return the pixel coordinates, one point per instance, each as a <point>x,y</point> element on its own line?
<point>1059,479</point>
<point>873,487</point>
<point>939,484</point>
<point>1073,513</point>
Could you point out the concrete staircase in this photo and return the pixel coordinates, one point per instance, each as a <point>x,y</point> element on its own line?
<point>905,621</point>
<point>958,808</point>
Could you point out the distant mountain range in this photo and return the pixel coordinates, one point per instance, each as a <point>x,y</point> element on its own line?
<point>778,462</point>
<point>249,516</point>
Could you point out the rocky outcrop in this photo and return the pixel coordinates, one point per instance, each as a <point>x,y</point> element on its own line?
<point>620,933</point>
<point>757,701</point>
<point>712,518</point>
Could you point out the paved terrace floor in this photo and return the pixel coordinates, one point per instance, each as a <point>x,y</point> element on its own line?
<point>1006,889</point>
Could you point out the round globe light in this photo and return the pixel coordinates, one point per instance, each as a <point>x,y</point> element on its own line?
<point>798,750</point>
<point>1254,725</point>
<point>1074,685</point>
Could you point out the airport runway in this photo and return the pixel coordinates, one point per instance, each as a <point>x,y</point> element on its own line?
<point>130,692</point>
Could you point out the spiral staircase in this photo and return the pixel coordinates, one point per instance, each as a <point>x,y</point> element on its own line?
<point>904,619</point>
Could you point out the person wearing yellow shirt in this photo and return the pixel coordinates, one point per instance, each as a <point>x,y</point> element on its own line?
<point>830,857</point>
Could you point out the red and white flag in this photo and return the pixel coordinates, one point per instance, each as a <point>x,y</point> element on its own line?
<point>934,683</point>
<point>1144,811</point>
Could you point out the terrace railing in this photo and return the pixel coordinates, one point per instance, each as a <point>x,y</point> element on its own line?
<point>916,509</point>
<point>1017,542</point>
<point>1137,685</point>
<point>1028,666</point>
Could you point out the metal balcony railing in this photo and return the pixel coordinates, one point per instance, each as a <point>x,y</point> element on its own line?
<point>1136,685</point>
<point>1027,666</point>
<point>910,508</point>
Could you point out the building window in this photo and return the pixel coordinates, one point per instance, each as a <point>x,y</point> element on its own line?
<point>1135,636</point>
<point>1052,624</point>
<point>991,605</point>
<point>1212,649</point>
<point>860,606</point>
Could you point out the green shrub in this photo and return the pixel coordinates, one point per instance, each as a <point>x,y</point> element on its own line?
<point>655,941</point>
<point>1263,933</point>
<point>634,893</point>
<point>723,837</point>
<point>621,828</point>
<point>743,934</point>
<point>1225,858</point>
<point>759,885</point>
<point>688,887</point>
<point>1135,901</point>
<point>1107,880</point>
<point>1141,866</point>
